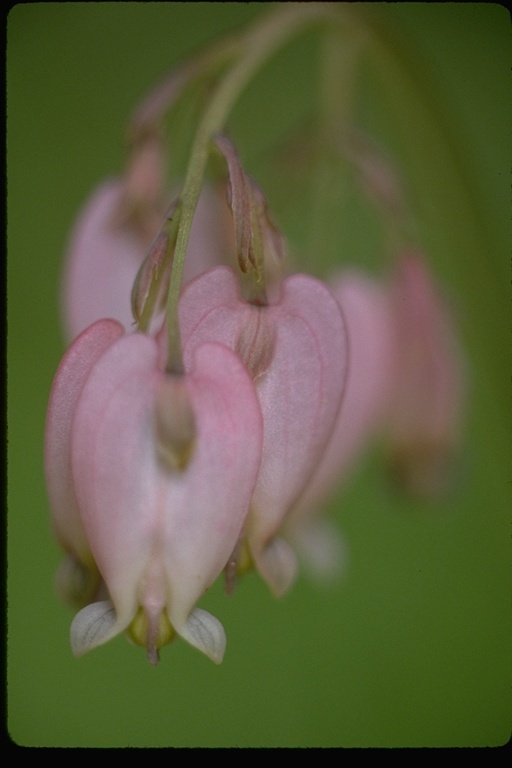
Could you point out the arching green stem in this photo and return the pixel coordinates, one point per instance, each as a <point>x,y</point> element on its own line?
<point>260,43</point>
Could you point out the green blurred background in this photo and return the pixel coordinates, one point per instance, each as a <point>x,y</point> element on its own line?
<point>412,647</point>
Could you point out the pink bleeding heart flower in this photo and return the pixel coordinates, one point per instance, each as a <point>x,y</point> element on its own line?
<point>162,469</point>
<point>296,353</point>
<point>368,314</point>
<point>425,417</point>
<point>108,246</point>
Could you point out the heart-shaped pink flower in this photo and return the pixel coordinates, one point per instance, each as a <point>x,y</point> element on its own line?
<point>162,469</point>
<point>296,353</point>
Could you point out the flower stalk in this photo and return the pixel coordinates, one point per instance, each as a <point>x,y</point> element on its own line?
<point>258,45</point>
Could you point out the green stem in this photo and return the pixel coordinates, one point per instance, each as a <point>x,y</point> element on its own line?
<point>152,111</point>
<point>260,43</point>
<point>337,82</point>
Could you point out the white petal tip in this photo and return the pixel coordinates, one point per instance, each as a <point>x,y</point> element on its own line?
<point>206,633</point>
<point>323,549</point>
<point>92,626</point>
<point>277,564</point>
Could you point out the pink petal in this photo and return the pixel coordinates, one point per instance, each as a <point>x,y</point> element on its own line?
<point>296,352</point>
<point>426,411</point>
<point>103,258</point>
<point>160,536</point>
<point>212,501</point>
<point>372,360</point>
<point>106,251</point>
<point>69,379</point>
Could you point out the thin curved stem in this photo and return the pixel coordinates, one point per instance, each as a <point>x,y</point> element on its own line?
<point>259,44</point>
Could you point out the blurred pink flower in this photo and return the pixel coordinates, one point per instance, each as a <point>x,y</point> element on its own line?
<point>428,395</point>
<point>372,353</point>
<point>109,243</point>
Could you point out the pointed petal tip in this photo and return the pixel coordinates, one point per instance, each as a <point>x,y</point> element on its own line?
<point>204,632</point>
<point>323,549</point>
<point>277,564</point>
<point>93,626</point>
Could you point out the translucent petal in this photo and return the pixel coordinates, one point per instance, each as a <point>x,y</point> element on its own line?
<point>204,632</point>
<point>92,626</point>
<point>277,563</point>
<point>322,547</point>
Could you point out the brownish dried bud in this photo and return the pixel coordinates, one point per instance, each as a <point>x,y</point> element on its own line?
<point>256,343</point>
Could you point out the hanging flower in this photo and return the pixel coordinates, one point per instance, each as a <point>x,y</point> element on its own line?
<point>296,353</point>
<point>426,410</point>
<point>160,469</point>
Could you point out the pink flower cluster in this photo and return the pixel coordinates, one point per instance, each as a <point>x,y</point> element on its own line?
<point>161,480</point>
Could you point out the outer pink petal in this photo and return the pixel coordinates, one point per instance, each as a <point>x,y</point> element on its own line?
<point>211,501</point>
<point>299,391</point>
<point>114,468</point>
<point>372,363</point>
<point>103,259</point>
<point>69,379</point>
<point>300,395</point>
<point>161,537</point>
